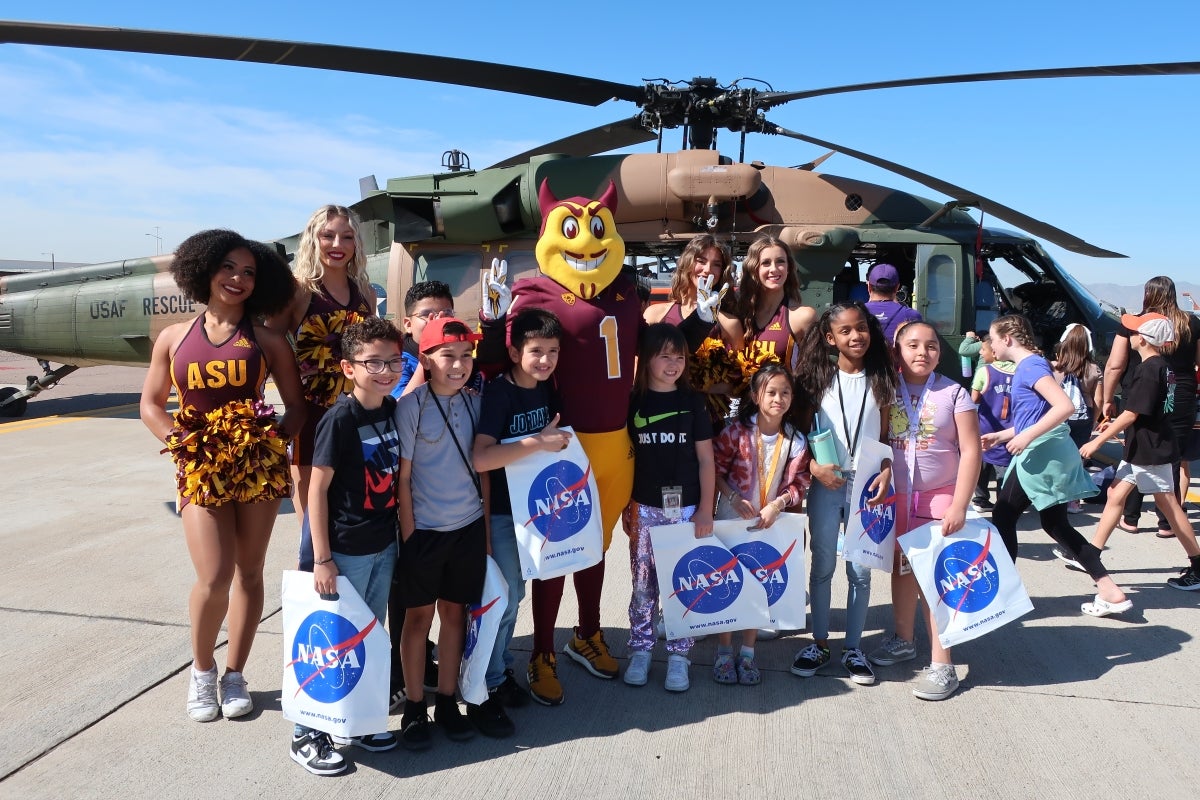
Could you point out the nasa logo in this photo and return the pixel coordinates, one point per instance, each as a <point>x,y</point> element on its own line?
<point>966,575</point>
<point>767,565</point>
<point>560,502</point>
<point>707,580</point>
<point>474,623</point>
<point>329,655</point>
<point>878,521</point>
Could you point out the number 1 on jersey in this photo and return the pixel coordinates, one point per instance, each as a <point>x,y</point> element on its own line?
<point>612,354</point>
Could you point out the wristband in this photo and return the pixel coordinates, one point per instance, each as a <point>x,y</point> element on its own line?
<point>326,561</point>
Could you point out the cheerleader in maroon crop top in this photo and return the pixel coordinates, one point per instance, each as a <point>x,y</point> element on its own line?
<point>229,451</point>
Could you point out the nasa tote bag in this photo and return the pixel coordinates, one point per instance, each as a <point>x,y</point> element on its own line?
<point>774,557</point>
<point>337,660</point>
<point>870,530</point>
<point>703,587</point>
<point>967,577</point>
<point>554,512</point>
<point>483,623</point>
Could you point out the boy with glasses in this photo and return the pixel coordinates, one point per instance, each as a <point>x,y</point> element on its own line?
<point>424,301</point>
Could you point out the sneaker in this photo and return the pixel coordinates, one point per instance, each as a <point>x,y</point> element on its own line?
<point>724,669</point>
<point>747,671</point>
<point>375,742</point>
<point>677,673</point>
<point>939,682</point>
<point>314,751</point>
<point>982,506</point>
<point>1188,581</point>
<point>1074,507</point>
<point>510,693</point>
<point>893,650</point>
<point>414,726</point>
<point>543,679</point>
<point>489,717</point>
<point>452,722</point>
<point>202,705</point>
<point>396,701</point>
<point>857,665</point>
<point>809,660</point>
<point>235,700</point>
<point>638,671</point>
<point>593,654</point>
<point>1065,557</point>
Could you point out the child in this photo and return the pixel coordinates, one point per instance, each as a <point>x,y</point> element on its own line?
<point>1080,379</point>
<point>759,456</point>
<point>673,481</point>
<point>219,363</point>
<point>851,396</point>
<point>443,529</point>
<point>520,402</point>
<point>990,390</point>
<point>423,301</point>
<point>1044,472</point>
<point>935,439</point>
<point>1150,446</point>
<point>352,500</point>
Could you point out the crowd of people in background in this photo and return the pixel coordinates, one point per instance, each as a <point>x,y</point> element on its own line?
<point>398,448</point>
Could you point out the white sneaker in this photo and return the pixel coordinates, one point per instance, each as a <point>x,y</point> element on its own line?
<point>235,700</point>
<point>202,705</point>
<point>939,682</point>
<point>677,673</point>
<point>638,671</point>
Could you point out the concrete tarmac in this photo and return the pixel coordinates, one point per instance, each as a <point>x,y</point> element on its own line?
<point>93,602</point>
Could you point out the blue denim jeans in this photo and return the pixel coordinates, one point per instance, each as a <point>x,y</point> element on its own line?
<point>371,576</point>
<point>827,511</point>
<point>504,551</point>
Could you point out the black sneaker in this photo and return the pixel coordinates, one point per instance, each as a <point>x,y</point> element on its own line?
<point>374,742</point>
<point>1188,581</point>
<point>414,726</point>
<point>809,660</point>
<point>396,701</point>
<point>452,722</point>
<point>510,693</point>
<point>489,717</point>
<point>314,751</point>
<point>857,665</point>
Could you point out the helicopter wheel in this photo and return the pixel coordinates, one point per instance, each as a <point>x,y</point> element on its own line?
<point>12,409</point>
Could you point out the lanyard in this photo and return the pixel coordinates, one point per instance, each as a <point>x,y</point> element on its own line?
<point>913,412</point>
<point>852,443</point>
<point>764,482</point>
<point>470,470</point>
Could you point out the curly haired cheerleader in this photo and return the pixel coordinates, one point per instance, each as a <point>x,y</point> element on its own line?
<point>229,452</point>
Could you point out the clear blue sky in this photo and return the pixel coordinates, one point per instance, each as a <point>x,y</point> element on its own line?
<point>97,150</point>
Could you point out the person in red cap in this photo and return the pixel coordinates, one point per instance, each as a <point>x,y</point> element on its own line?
<point>1150,445</point>
<point>443,529</point>
<point>883,281</point>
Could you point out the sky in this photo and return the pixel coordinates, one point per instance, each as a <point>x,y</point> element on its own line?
<point>106,156</point>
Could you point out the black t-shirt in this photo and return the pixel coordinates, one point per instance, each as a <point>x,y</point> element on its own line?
<point>1182,362</point>
<point>1151,395</point>
<point>363,448</point>
<point>665,427</point>
<point>508,412</point>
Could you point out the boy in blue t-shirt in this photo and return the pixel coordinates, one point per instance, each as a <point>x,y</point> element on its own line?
<point>1150,445</point>
<point>352,503</point>
<point>518,403</point>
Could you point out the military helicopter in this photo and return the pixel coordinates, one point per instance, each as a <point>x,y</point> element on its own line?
<point>449,225</point>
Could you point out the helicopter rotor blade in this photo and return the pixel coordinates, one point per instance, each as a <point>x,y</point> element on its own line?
<point>600,139</point>
<point>1026,223</point>
<point>773,99</point>
<point>368,61</point>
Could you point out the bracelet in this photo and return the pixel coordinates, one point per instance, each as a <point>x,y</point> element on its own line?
<point>326,561</point>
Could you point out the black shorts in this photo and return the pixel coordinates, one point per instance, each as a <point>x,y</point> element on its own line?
<point>443,565</point>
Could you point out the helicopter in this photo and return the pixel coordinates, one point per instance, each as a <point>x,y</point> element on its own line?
<point>449,225</point>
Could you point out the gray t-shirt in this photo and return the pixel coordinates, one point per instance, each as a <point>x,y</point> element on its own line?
<point>444,494</point>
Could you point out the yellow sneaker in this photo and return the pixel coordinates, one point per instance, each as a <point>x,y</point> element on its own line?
<point>543,679</point>
<point>593,654</point>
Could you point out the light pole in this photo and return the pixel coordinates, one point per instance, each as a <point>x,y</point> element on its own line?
<point>157,241</point>
<point>51,260</point>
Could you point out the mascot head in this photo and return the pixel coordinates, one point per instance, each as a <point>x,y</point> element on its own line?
<point>578,246</point>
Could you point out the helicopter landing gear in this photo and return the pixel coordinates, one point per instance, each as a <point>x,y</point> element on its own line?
<point>10,405</point>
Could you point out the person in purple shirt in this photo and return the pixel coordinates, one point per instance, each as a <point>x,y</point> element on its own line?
<point>882,282</point>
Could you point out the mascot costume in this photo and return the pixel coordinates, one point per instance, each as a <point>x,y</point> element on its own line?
<point>580,255</point>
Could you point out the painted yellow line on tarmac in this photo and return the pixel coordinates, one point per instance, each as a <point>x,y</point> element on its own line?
<point>73,416</point>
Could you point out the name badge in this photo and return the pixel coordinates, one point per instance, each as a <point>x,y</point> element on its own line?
<point>848,474</point>
<point>672,503</point>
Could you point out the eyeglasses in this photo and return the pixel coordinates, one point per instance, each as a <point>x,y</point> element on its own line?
<point>431,313</point>
<point>374,366</point>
